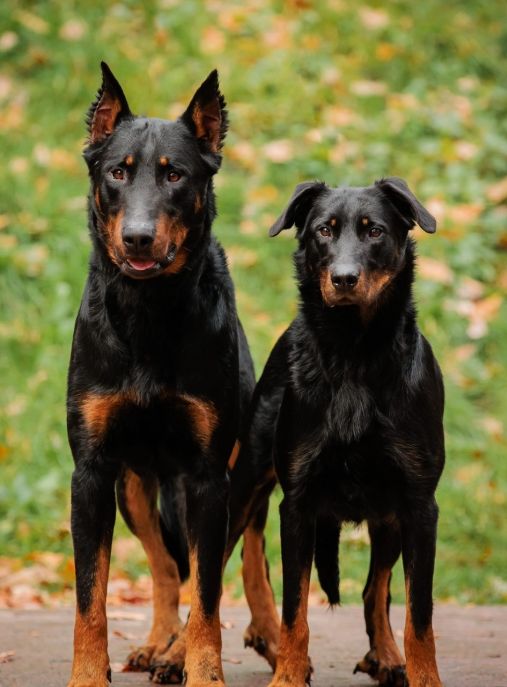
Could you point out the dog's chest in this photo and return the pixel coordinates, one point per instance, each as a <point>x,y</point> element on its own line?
<point>358,481</point>
<point>347,394</point>
<point>350,412</point>
<point>141,427</point>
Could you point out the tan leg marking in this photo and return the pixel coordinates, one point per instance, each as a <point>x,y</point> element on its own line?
<point>91,661</point>
<point>387,649</point>
<point>234,455</point>
<point>168,667</point>
<point>292,660</point>
<point>263,633</point>
<point>204,639</point>
<point>384,654</point>
<point>141,503</point>
<point>422,668</point>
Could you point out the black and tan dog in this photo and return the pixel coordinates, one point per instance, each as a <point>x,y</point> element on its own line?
<point>160,378</point>
<point>350,403</point>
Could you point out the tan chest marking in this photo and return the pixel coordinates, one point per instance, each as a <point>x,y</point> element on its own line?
<point>204,418</point>
<point>99,409</point>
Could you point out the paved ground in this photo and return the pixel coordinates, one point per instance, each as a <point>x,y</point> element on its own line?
<point>471,645</point>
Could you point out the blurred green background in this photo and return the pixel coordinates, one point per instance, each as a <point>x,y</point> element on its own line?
<point>335,90</point>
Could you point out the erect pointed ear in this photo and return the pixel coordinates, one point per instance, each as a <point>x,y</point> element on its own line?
<point>411,210</point>
<point>206,116</point>
<point>108,109</point>
<point>298,207</point>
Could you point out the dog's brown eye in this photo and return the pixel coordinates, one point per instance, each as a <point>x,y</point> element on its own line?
<point>375,232</point>
<point>173,176</point>
<point>118,174</point>
<point>325,231</point>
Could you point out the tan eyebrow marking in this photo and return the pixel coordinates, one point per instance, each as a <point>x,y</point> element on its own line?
<point>365,221</point>
<point>164,161</point>
<point>332,221</point>
<point>129,160</point>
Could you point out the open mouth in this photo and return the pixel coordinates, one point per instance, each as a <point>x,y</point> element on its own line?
<point>141,265</point>
<point>143,268</point>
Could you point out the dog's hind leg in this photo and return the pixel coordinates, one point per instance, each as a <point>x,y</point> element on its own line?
<point>137,499</point>
<point>263,633</point>
<point>383,662</point>
<point>252,482</point>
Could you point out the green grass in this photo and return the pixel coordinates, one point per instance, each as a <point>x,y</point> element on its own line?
<point>348,93</point>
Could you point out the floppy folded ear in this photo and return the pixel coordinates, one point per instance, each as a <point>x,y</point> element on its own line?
<point>411,210</point>
<point>206,116</point>
<point>298,207</point>
<point>108,109</point>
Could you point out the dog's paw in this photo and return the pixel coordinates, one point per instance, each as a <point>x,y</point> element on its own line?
<point>287,677</point>
<point>167,669</point>
<point>264,645</point>
<point>165,673</point>
<point>286,681</point>
<point>386,675</point>
<point>309,671</point>
<point>91,681</point>
<point>90,677</point>
<point>144,657</point>
<point>139,659</point>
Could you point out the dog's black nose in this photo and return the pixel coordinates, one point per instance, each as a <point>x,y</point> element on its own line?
<point>137,238</point>
<point>345,278</point>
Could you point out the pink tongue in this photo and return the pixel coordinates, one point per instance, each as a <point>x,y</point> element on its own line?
<point>142,264</point>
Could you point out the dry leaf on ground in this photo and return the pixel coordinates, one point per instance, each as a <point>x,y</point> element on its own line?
<point>7,656</point>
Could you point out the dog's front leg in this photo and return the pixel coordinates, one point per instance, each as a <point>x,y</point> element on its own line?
<point>93,515</point>
<point>207,514</point>
<point>298,536</point>
<point>418,547</point>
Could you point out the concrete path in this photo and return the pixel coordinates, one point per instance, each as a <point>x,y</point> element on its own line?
<point>471,646</point>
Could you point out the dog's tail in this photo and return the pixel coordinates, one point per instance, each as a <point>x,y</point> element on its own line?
<point>172,522</point>
<point>327,540</point>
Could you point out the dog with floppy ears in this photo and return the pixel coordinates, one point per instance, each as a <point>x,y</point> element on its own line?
<point>350,405</point>
<point>160,377</point>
